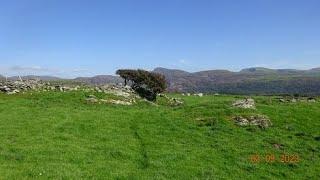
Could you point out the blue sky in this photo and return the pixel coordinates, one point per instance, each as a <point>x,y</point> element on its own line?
<point>87,37</point>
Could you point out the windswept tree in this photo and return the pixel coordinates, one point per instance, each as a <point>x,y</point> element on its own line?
<point>125,74</point>
<point>146,84</point>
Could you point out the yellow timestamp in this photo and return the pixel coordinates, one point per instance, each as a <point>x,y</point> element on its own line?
<point>272,158</point>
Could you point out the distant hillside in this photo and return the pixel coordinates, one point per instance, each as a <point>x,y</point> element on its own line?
<point>315,70</point>
<point>255,80</point>
<point>96,80</point>
<point>101,79</point>
<point>258,70</point>
<point>43,78</point>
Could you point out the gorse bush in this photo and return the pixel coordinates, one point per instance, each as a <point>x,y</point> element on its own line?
<point>146,84</point>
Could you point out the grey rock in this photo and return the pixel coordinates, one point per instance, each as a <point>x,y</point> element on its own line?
<point>294,100</point>
<point>254,120</point>
<point>247,103</point>
<point>312,100</point>
<point>199,94</point>
<point>91,100</point>
<point>92,96</point>
<point>118,102</point>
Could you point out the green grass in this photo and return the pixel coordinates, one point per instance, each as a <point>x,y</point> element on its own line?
<point>59,136</point>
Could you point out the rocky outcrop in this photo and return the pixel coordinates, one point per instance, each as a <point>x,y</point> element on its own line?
<point>171,101</point>
<point>247,103</point>
<point>92,100</point>
<point>199,94</point>
<point>118,102</point>
<point>117,90</point>
<point>312,100</point>
<point>253,120</point>
<point>120,95</point>
<point>297,99</point>
<point>13,87</point>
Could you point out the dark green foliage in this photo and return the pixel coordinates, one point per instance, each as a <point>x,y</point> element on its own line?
<point>146,84</point>
<point>126,74</point>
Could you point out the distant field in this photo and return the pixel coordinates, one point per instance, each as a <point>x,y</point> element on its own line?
<point>59,136</point>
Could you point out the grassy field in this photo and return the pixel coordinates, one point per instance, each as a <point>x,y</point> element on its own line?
<point>59,136</point>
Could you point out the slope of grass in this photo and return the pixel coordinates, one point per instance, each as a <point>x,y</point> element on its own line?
<point>59,136</point>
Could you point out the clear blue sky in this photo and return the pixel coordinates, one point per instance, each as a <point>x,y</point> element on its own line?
<point>87,37</point>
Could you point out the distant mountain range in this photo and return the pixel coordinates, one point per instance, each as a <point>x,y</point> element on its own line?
<point>100,79</point>
<point>95,80</point>
<point>256,80</point>
<point>44,78</point>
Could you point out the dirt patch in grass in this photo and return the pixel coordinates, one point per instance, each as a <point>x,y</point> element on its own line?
<point>205,121</point>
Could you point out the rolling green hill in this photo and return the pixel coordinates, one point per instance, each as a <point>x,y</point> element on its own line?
<point>59,136</point>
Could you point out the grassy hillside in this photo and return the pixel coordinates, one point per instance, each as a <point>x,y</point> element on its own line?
<point>58,135</point>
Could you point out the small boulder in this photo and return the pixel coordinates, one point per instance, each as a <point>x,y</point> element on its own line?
<point>312,100</point>
<point>92,96</point>
<point>98,89</point>
<point>128,88</point>
<point>118,93</point>
<point>104,101</point>
<point>176,102</point>
<point>278,146</point>
<point>253,120</point>
<point>6,89</point>
<point>119,102</point>
<point>247,103</point>
<point>91,100</point>
<point>199,94</point>
<point>64,89</point>
<point>171,101</point>
<point>15,91</point>
<point>293,100</point>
